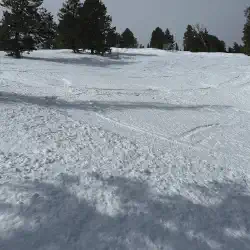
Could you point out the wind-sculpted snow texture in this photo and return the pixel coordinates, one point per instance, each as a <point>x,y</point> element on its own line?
<point>144,149</point>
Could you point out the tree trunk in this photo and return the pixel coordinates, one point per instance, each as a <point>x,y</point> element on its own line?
<point>74,47</point>
<point>17,47</point>
<point>17,53</point>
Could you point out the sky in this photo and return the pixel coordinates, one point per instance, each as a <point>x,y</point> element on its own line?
<point>223,18</point>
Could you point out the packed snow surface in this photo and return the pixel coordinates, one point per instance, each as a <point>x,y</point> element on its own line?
<point>144,149</point>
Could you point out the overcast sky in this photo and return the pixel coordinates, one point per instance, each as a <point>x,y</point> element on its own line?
<point>224,18</point>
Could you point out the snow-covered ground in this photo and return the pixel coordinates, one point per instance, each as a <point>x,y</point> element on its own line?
<point>143,150</point>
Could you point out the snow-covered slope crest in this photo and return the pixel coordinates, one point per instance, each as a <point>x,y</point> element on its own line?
<point>145,150</point>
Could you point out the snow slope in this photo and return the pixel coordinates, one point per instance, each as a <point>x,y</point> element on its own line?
<point>145,149</point>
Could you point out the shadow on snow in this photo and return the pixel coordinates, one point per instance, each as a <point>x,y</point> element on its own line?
<point>88,61</point>
<point>60,220</point>
<point>7,97</point>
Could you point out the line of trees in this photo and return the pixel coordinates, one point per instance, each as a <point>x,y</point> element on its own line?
<point>197,39</point>
<point>26,25</point>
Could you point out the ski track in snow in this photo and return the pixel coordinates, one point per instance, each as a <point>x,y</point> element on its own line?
<point>149,150</point>
<point>159,136</point>
<point>197,129</point>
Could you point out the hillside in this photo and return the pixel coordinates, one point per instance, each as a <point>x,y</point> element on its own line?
<point>146,149</point>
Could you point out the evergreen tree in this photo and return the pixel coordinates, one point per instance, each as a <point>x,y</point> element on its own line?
<point>246,32</point>
<point>214,44</point>
<point>69,21</point>
<point>49,28</point>
<point>96,27</point>
<point>169,40</point>
<point>176,47</point>
<point>236,48</point>
<point>221,46</point>
<point>157,38</point>
<point>113,39</point>
<point>22,27</point>
<point>201,38</point>
<point>128,39</point>
<point>197,39</point>
<point>4,35</point>
<point>119,38</point>
<point>230,50</point>
<point>188,39</point>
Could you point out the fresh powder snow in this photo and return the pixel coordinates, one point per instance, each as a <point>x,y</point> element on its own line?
<point>143,149</point>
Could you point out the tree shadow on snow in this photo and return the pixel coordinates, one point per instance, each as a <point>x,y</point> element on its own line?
<point>53,102</point>
<point>88,61</point>
<point>130,54</point>
<point>55,218</point>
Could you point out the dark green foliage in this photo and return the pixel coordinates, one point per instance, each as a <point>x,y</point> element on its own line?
<point>246,32</point>
<point>86,26</point>
<point>98,35</point>
<point>230,50</point>
<point>69,21</point>
<point>128,39</point>
<point>236,48</point>
<point>161,40</point>
<point>48,28</point>
<point>4,35</point>
<point>214,44</point>
<point>113,39</point>
<point>23,26</point>
<point>189,37</point>
<point>169,42</point>
<point>157,39</point>
<point>199,40</point>
<point>195,39</point>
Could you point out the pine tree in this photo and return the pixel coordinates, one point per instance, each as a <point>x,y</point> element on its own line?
<point>230,50</point>
<point>168,40</point>
<point>128,39</point>
<point>201,38</point>
<point>113,38</point>
<point>96,26</point>
<point>236,48</point>
<point>221,46</point>
<point>246,32</point>
<point>197,39</point>
<point>48,28</point>
<point>22,28</point>
<point>68,28</point>
<point>4,35</point>
<point>157,38</point>
<point>188,38</point>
